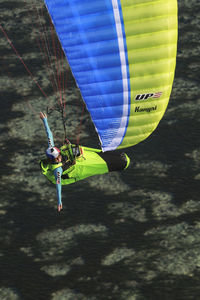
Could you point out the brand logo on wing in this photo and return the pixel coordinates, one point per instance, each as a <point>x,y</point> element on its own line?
<point>139,109</point>
<point>140,97</point>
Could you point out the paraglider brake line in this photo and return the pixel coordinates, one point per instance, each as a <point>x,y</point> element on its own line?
<point>60,109</point>
<point>22,61</point>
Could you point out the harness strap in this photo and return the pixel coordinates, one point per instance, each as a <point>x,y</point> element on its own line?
<point>55,166</point>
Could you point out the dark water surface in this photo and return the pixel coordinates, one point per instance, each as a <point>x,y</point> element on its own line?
<point>132,235</point>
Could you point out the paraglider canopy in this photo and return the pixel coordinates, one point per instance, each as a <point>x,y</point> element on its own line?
<point>122,55</point>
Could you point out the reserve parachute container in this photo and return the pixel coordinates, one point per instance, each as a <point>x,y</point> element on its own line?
<point>122,54</point>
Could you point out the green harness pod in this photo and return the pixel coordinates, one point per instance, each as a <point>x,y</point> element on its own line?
<point>78,163</point>
<point>81,162</point>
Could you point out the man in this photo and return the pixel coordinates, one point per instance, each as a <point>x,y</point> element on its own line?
<point>72,163</point>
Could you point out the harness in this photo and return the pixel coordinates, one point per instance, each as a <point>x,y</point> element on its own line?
<point>82,162</point>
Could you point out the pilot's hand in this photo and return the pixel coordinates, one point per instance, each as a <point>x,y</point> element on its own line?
<point>59,207</point>
<point>42,115</point>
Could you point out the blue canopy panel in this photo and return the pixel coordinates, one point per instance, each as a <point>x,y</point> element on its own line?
<point>93,39</point>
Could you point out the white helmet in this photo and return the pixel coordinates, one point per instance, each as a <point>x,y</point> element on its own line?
<point>52,152</point>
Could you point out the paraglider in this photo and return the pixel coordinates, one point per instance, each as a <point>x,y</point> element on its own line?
<point>122,55</point>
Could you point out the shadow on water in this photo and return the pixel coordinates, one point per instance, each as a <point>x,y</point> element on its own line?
<point>24,221</point>
<point>20,226</point>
